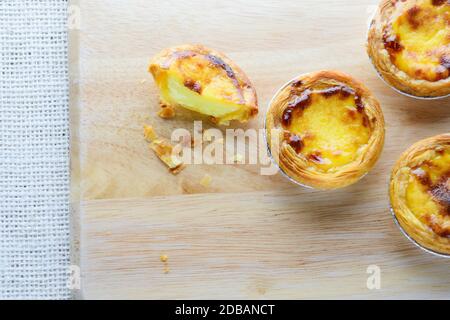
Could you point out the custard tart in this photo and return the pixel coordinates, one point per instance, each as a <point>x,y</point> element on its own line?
<point>204,81</point>
<point>409,44</point>
<point>325,130</point>
<point>420,193</point>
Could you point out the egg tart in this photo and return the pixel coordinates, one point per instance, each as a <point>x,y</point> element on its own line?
<point>325,130</point>
<point>204,81</point>
<point>420,193</point>
<point>409,44</point>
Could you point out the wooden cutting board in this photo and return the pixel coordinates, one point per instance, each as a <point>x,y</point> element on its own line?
<point>246,235</point>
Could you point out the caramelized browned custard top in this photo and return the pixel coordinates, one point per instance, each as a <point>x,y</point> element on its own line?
<point>328,125</point>
<point>204,81</point>
<point>418,40</point>
<point>199,63</point>
<point>428,193</point>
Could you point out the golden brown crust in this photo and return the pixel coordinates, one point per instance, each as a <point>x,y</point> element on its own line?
<point>164,59</point>
<point>425,233</point>
<point>296,165</point>
<point>378,51</point>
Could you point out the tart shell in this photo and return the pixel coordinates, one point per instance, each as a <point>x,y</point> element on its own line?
<point>416,230</point>
<point>295,165</point>
<point>161,63</point>
<point>381,60</point>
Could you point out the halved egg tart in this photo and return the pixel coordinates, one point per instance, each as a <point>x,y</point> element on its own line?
<point>325,130</point>
<point>409,44</point>
<point>420,193</point>
<point>205,81</point>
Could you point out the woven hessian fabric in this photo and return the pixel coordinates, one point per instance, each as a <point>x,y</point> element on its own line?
<point>34,150</point>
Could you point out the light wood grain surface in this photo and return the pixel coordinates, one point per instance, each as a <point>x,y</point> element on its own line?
<point>247,235</point>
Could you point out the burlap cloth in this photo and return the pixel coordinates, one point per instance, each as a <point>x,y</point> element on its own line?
<point>34,175</point>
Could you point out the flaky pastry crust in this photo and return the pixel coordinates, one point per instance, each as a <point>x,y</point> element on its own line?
<point>432,230</point>
<point>383,45</point>
<point>299,166</point>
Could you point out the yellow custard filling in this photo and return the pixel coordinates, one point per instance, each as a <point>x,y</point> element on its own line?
<point>329,129</point>
<point>419,42</point>
<point>428,193</point>
<point>204,83</point>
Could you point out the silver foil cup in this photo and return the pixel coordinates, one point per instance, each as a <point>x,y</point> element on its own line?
<point>269,151</point>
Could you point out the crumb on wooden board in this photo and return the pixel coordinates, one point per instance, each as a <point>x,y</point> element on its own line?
<point>164,150</point>
<point>149,133</point>
<point>165,259</point>
<point>166,112</point>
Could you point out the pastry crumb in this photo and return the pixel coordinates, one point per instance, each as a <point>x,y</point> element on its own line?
<point>166,112</point>
<point>164,151</point>
<point>164,259</point>
<point>206,180</point>
<point>143,81</point>
<point>149,133</point>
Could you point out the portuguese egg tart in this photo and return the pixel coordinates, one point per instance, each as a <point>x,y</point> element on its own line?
<point>327,128</point>
<point>205,81</point>
<point>409,44</point>
<point>420,193</point>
